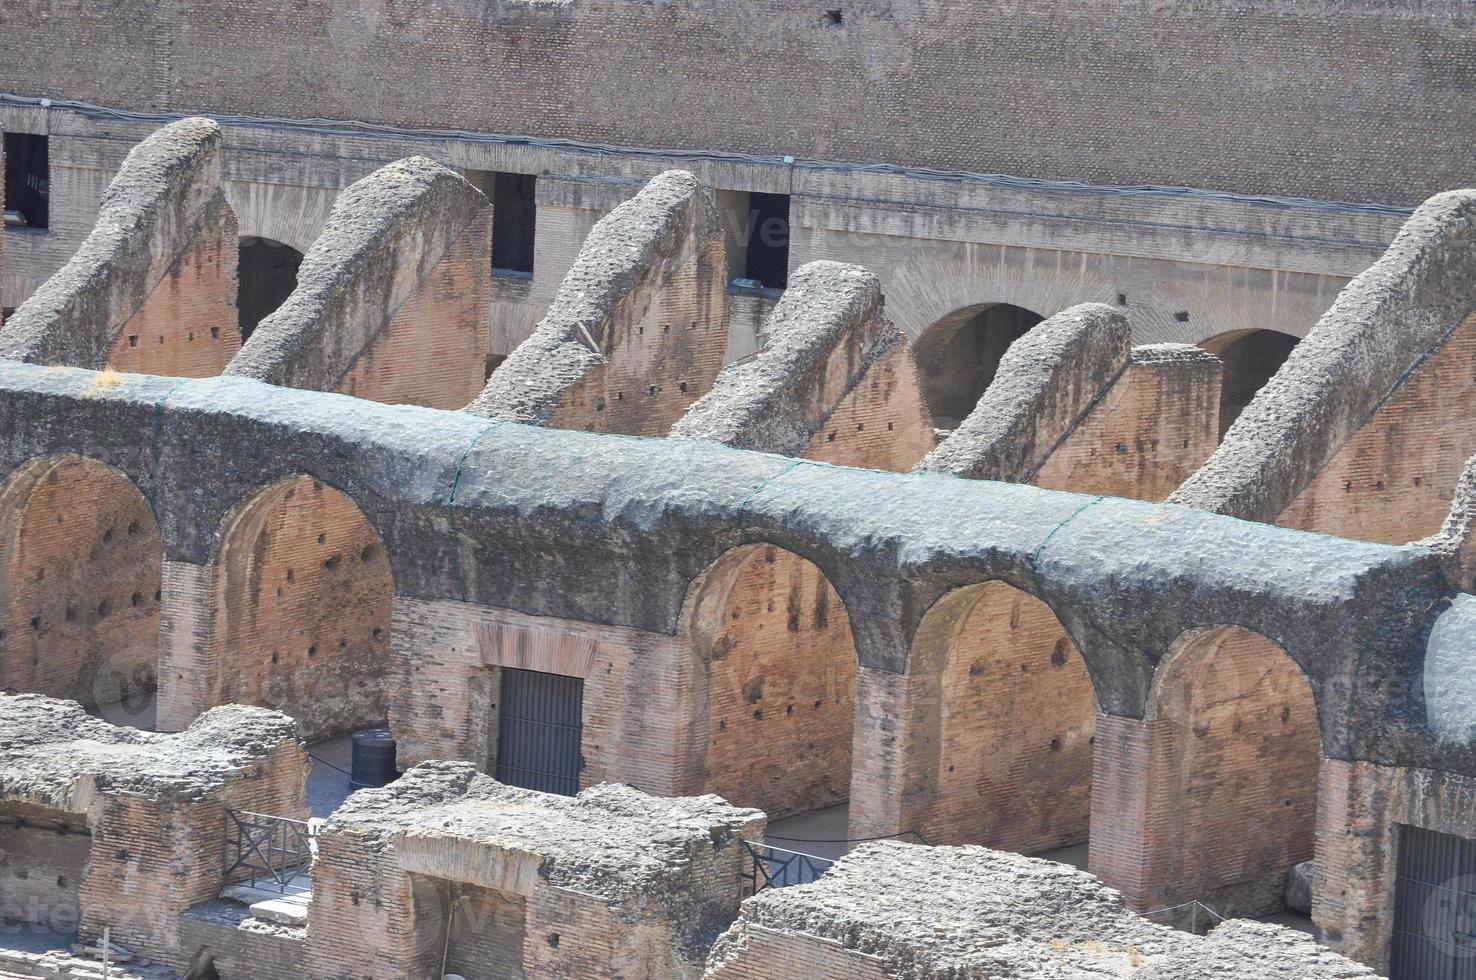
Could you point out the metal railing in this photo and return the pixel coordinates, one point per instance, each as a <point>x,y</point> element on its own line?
<point>774,867</point>
<point>272,850</point>
<point>1196,911</point>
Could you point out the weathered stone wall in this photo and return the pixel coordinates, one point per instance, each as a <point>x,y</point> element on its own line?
<point>834,382</point>
<point>80,582</point>
<point>1363,430</point>
<point>639,326</point>
<point>1277,75</point>
<point>640,519</point>
<point>1149,431</point>
<point>938,243</point>
<point>153,287</point>
<point>1075,407</point>
<point>392,299</point>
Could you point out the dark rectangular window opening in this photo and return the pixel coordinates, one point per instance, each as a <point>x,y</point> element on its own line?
<point>27,181</point>
<point>767,253</point>
<point>514,218</point>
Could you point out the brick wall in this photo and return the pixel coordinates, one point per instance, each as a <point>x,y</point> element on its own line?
<point>1152,429</point>
<point>835,380</point>
<point>781,669</point>
<point>367,916</point>
<point>882,423</point>
<point>664,348</point>
<point>1361,807</point>
<point>293,614</point>
<point>1007,735</point>
<point>392,299</point>
<point>1213,796</point>
<point>433,350</point>
<point>43,855</point>
<point>1394,479</point>
<point>638,329</point>
<point>153,856</point>
<point>763,954</point>
<point>153,286</point>
<point>82,563</point>
<point>187,324</point>
<point>638,690</point>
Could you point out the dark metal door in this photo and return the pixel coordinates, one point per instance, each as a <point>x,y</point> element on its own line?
<point>538,731</point>
<point>1434,907</point>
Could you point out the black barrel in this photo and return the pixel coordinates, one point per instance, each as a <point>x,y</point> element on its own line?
<point>374,759</point>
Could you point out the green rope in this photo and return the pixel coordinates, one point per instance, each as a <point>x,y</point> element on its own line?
<point>154,449</point>
<point>1035,556</point>
<point>743,507</point>
<point>451,503</point>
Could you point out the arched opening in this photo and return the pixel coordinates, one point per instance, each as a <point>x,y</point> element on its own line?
<point>80,579</point>
<point>958,355</point>
<point>1231,785</point>
<point>1007,738</point>
<point>267,276</point>
<point>775,649</point>
<point>1250,357</point>
<point>303,594</point>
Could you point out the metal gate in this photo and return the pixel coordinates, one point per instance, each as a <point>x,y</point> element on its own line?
<point>538,731</point>
<point>1434,907</point>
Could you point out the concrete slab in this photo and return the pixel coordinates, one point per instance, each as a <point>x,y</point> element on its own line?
<point>289,911</point>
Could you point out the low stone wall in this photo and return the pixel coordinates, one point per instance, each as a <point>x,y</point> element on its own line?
<point>894,911</point>
<point>153,287</point>
<point>446,864</point>
<point>153,805</point>
<point>1365,429</point>
<point>393,299</point>
<point>638,329</point>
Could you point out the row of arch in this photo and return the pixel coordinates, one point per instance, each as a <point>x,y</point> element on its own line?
<point>1000,719</point>
<point>1211,797</point>
<point>958,355</point>
<point>296,617</point>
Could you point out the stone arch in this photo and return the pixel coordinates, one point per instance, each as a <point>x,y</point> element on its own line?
<point>302,595</point>
<point>1250,358</point>
<point>774,654</point>
<point>1005,718</point>
<point>959,353</point>
<point>80,566</point>
<point>1231,786</point>
<point>267,275</point>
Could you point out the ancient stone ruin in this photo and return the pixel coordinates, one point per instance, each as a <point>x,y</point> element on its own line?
<point>737,491</point>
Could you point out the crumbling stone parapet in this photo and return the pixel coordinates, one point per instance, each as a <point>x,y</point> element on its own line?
<point>895,911</point>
